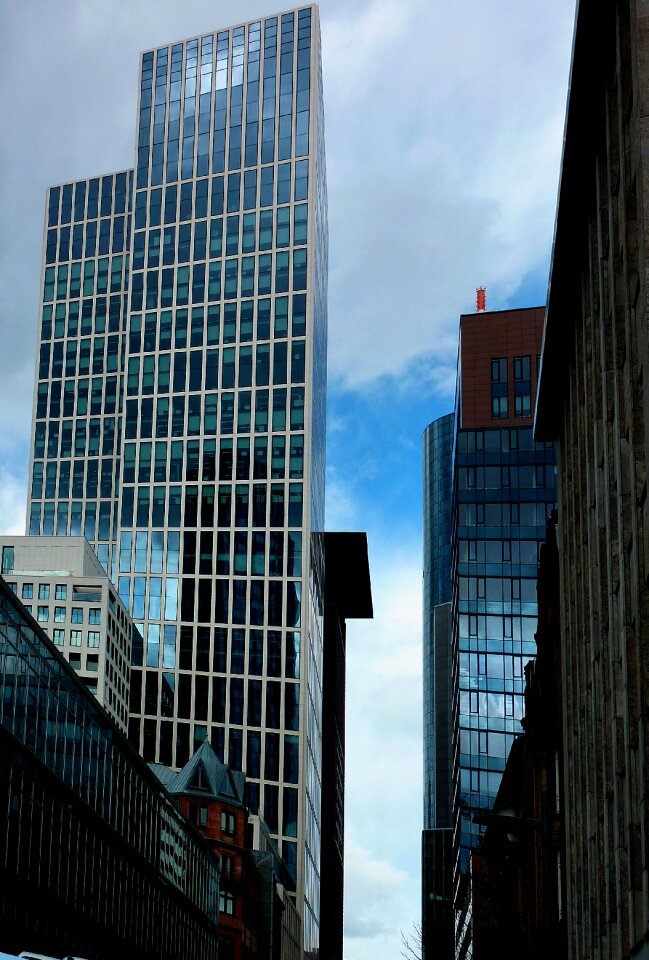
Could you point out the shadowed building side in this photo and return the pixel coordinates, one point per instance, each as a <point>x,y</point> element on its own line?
<point>593,401</point>
<point>348,595</point>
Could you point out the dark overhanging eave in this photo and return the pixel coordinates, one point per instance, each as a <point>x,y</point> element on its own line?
<point>592,46</point>
<point>347,574</point>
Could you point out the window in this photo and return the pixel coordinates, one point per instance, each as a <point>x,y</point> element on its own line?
<point>74,659</point>
<point>77,614</point>
<point>59,614</point>
<point>94,615</point>
<point>522,386</point>
<point>75,638</point>
<point>43,591</point>
<point>226,902</point>
<point>61,591</point>
<point>13,587</point>
<point>202,815</point>
<point>28,591</point>
<point>227,822</point>
<point>58,636</point>
<point>7,560</point>
<point>93,638</point>
<point>43,614</point>
<point>499,388</point>
<point>92,662</point>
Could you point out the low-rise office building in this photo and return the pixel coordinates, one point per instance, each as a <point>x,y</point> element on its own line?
<point>62,584</point>
<point>95,858</point>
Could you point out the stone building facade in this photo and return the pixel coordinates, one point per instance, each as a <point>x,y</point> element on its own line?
<point>594,402</point>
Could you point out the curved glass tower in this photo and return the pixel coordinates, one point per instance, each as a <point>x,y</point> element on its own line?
<point>437,915</point>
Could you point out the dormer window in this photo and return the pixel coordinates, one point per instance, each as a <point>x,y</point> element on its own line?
<point>199,780</point>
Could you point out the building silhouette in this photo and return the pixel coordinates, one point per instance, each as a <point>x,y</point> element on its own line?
<point>593,402</point>
<point>179,409</point>
<point>348,595</point>
<point>95,859</point>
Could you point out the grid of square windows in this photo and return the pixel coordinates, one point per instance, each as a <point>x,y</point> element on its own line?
<point>216,384</point>
<point>505,489</point>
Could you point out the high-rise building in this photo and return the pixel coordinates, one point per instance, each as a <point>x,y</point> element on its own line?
<point>437,837</point>
<point>179,417</point>
<point>503,488</point>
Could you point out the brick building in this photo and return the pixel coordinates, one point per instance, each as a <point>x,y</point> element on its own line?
<point>257,917</point>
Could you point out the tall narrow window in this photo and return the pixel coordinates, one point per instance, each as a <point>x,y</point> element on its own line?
<point>499,388</point>
<point>7,559</point>
<point>522,387</point>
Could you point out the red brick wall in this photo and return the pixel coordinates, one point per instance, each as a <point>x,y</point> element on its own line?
<point>487,336</point>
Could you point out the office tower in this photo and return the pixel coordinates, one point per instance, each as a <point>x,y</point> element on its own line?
<point>593,402</point>
<point>437,836</point>
<point>65,588</point>
<point>504,488</point>
<point>219,444</point>
<point>77,395</point>
<point>95,859</point>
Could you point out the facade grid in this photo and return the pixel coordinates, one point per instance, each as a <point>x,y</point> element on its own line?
<point>436,854</point>
<point>504,488</point>
<point>212,519</point>
<point>62,584</point>
<point>94,855</point>
<point>77,394</point>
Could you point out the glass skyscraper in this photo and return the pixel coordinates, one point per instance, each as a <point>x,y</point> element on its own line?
<point>437,836</point>
<point>179,418</point>
<point>504,487</point>
<point>488,491</point>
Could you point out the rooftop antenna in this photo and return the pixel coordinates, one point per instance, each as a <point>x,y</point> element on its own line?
<point>481,299</point>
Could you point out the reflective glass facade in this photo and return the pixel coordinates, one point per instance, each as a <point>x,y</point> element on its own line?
<point>504,487</point>
<point>77,397</point>
<point>436,853</point>
<point>505,491</point>
<point>438,489</point>
<point>94,856</point>
<point>219,450</point>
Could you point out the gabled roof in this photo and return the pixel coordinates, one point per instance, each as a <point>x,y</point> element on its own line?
<point>204,776</point>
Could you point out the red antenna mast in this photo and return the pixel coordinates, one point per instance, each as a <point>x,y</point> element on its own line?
<point>481,299</point>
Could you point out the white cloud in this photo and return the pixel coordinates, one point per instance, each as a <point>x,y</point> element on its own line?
<point>341,511</point>
<point>373,887</point>
<point>12,504</point>
<point>384,756</point>
<point>442,177</point>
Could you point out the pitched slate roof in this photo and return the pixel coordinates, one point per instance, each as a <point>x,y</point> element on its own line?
<point>204,776</point>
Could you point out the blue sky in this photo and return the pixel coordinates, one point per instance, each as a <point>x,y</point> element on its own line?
<point>443,126</point>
